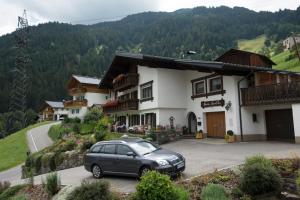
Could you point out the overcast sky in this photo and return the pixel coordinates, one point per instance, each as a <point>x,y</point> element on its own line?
<point>93,11</point>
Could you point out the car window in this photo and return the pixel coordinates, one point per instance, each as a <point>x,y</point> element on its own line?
<point>109,149</point>
<point>123,150</point>
<point>144,147</point>
<point>96,149</point>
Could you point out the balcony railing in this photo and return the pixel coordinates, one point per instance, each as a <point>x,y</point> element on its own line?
<point>75,103</point>
<point>125,81</point>
<point>121,105</point>
<point>271,94</point>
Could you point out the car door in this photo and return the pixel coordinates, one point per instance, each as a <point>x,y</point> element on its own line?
<point>107,158</point>
<point>127,164</point>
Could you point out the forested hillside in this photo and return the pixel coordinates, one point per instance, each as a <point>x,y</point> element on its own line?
<point>57,50</point>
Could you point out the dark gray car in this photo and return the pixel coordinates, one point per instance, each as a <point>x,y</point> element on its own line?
<point>131,157</point>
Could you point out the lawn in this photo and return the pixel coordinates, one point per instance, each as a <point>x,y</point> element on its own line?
<point>291,65</point>
<point>253,45</point>
<point>14,147</point>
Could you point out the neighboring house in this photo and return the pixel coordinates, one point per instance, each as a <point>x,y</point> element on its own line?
<point>289,42</point>
<point>239,91</point>
<point>53,110</point>
<point>85,94</point>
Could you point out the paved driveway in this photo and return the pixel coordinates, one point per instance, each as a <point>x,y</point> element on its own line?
<point>201,156</point>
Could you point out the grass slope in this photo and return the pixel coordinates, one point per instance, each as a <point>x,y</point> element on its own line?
<point>253,45</point>
<point>284,64</point>
<point>14,147</point>
<point>281,59</point>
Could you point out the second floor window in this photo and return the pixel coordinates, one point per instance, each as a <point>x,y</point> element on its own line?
<point>146,91</point>
<point>80,98</point>
<point>199,87</point>
<point>215,84</point>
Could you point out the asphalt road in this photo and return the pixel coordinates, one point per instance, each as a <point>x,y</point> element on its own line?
<point>37,139</point>
<point>202,156</point>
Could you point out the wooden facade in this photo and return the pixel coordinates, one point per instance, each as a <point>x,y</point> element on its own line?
<point>75,87</point>
<point>271,94</point>
<point>245,58</point>
<point>121,105</point>
<point>75,103</point>
<point>125,81</point>
<point>48,113</point>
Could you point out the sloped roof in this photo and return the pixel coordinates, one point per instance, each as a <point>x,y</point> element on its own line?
<point>239,52</point>
<point>55,104</point>
<point>87,79</point>
<point>122,61</point>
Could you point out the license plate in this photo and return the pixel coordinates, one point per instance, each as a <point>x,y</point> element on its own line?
<point>180,165</point>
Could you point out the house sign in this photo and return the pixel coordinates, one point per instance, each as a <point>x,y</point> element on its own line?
<point>205,104</point>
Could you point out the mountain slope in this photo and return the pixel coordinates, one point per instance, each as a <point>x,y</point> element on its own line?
<point>58,50</point>
<point>285,60</point>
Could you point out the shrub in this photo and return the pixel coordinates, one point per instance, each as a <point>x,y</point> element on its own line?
<point>181,194</point>
<point>93,115</point>
<point>69,145</point>
<point>10,192</point>
<point>52,184</point>
<point>260,177</point>
<point>237,192</point>
<point>4,185</point>
<point>230,133</point>
<point>76,128</point>
<point>214,191</point>
<point>59,158</point>
<point>258,159</point>
<point>156,186</point>
<point>46,159</point>
<point>52,163</point>
<point>37,163</point>
<point>86,145</point>
<point>91,191</point>
<point>298,179</point>
<point>100,134</point>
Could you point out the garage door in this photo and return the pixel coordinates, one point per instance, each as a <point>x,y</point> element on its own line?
<point>280,125</point>
<point>215,122</point>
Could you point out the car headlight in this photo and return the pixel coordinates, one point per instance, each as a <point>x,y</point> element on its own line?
<point>162,162</point>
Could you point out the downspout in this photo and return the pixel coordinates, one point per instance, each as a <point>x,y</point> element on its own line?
<point>240,108</point>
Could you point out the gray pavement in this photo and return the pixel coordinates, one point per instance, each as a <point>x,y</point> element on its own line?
<point>37,139</point>
<point>202,156</point>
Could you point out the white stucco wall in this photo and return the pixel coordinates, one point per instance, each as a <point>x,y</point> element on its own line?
<point>147,74</point>
<point>231,94</point>
<point>259,127</point>
<point>164,115</point>
<point>81,114</point>
<point>296,119</point>
<point>171,89</point>
<point>95,98</point>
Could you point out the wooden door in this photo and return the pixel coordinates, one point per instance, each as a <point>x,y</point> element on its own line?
<point>215,122</point>
<point>279,124</point>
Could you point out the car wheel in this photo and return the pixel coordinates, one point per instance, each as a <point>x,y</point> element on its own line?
<point>97,171</point>
<point>144,170</point>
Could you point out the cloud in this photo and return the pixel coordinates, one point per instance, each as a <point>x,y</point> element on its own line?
<point>93,11</point>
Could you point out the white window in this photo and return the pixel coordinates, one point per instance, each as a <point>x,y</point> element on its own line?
<point>75,111</point>
<point>146,91</point>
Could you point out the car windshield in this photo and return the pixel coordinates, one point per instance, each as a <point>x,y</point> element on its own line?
<point>144,147</point>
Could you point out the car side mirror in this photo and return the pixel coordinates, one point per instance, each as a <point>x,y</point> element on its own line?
<point>131,154</point>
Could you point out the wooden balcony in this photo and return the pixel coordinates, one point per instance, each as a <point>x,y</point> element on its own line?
<point>121,105</point>
<point>271,94</point>
<point>75,103</point>
<point>125,81</point>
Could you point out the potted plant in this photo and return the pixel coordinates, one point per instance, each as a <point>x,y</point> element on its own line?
<point>230,137</point>
<point>199,135</point>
